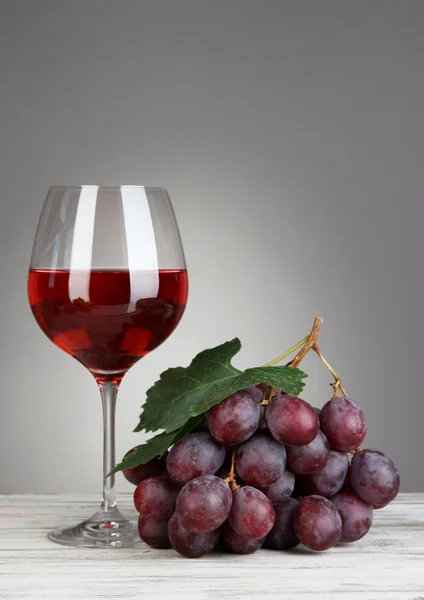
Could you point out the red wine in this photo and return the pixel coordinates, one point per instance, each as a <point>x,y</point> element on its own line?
<point>108,319</point>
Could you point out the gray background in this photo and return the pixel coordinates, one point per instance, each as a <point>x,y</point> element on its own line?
<point>290,135</point>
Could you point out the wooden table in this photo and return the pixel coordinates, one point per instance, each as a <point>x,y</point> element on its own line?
<point>388,564</point>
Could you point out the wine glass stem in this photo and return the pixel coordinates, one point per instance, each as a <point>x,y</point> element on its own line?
<point>109,392</point>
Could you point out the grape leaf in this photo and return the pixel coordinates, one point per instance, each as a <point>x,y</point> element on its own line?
<point>184,392</point>
<point>156,446</point>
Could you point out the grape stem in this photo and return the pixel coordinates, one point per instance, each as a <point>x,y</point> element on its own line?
<point>266,400</point>
<point>337,385</point>
<point>231,479</point>
<point>312,344</point>
<point>286,354</point>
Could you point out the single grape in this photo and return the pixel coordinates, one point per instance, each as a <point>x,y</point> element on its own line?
<point>329,480</point>
<point>261,460</point>
<point>136,475</point>
<point>291,420</point>
<point>318,411</point>
<point>194,455</point>
<point>156,497</point>
<point>343,423</point>
<point>235,419</point>
<point>281,489</point>
<point>283,536</point>
<point>154,532</point>
<point>204,503</point>
<point>374,477</point>
<point>255,392</point>
<point>252,514</point>
<point>395,492</point>
<point>355,513</point>
<point>310,457</point>
<point>237,544</point>
<point>187,543</point>
<point>317,523</point>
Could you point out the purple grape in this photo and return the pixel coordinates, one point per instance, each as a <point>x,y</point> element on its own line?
<point>194,455</point>
<point>261,460</point>
<point>252,514</point>
<point>237,544</point>
<point>343,424</point>
<point>156,497</point>
<point>235,419</point>
<point>204,503</point>
<point>355,513</point>
<point>255,392</point>
<point>317,523</point>
<point>329,480</point>
<point>282,536</point>
<point>309,458</point>
<point>187,543</point>
<point>136,475</point>
<point>374,478</point>
<point>395,492</point>
<point>318,411</point>
<point>291,420</point>
<point>281,489</point>
<point>154,532</point>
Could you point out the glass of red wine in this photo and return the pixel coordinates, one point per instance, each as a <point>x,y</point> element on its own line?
<point>107,284</point>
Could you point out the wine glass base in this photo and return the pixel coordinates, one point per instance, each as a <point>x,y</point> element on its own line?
<point>102,530</point>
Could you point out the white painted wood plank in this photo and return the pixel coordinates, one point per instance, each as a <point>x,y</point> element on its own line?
<point>388,564</point>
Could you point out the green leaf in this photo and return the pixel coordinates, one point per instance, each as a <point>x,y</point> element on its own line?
<point>170,399</point>
<point>182,393</point>
<point>156,446</point>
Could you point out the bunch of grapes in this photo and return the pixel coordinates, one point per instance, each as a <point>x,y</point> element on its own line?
<point>264,469</point>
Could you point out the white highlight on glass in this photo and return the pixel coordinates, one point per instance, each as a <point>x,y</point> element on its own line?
<point>82,243</point>
<point>141,243</point>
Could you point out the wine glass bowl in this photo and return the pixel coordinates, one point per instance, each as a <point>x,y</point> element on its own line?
<point>107,284</point>
<point>102,328</point>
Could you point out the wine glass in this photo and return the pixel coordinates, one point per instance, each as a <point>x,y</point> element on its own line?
<point>107,284</point>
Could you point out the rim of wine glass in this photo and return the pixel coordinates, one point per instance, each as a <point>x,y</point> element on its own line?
<point>79,186</point>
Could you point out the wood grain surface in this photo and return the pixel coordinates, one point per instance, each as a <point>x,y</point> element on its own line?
<point>388,564</point>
